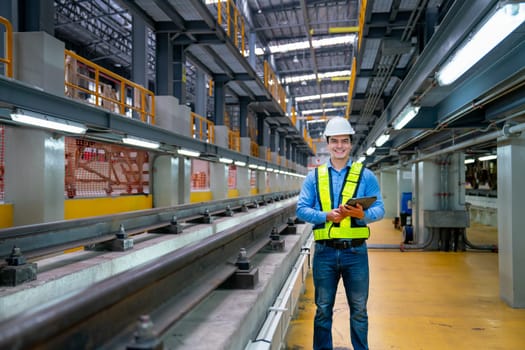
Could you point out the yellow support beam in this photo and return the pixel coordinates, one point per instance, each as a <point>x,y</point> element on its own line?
<point>351,89</point>
<point>362,13</point>
<point>337,30</point>
<point>340,30</point>
<point>341,78</point>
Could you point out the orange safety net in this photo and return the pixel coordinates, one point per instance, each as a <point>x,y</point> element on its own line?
<point>232,177</point>
<point>199,181</point>
<point>253,179</point>
<point>2,152</point>
<point>95,169</point>
<point>200,170</point>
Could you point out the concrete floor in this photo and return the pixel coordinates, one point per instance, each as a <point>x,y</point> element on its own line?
<point>424,300</point>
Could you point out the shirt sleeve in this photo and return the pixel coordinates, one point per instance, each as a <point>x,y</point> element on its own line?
<point>308,207</point>
<point>369,186</point>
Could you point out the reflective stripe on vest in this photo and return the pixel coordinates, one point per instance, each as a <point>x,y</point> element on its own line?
<point>345,229</point>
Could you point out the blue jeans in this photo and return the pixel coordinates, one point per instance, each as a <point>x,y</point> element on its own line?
<point>328,266</point>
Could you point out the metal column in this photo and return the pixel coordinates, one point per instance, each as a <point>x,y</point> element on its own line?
<point>511,240</point>
<point>164,55</point>
<point>179,73</point>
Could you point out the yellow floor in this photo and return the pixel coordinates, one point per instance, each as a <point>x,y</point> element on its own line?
<point>424,300</point>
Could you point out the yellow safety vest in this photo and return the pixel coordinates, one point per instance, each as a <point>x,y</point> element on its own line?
<point>347,228</point>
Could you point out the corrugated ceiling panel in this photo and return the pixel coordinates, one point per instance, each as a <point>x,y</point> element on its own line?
<point>153,10</point>
<point>370,53</point>
<point>390,86</point>
<point>408,4</point>
<point>225,53</point>
<point>381,6</point>
<point>361,85</point>
<point>186,9</point>
<point>205,58</point>
<point>405,59</point>
<point>253,86</point>
<point>234,86</point>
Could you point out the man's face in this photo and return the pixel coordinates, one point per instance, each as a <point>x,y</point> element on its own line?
<point>339,146</point>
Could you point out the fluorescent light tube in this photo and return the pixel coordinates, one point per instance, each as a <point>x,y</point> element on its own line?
<point>48,122</point>
<point>320,110</point>
<point>322,76</point>
<point>491,33</point>
<point>469,161</point>
<point>382,139</point>
<point>407,114</point>
<point>361,159</point>
<point>187,152</point>
<point>226,160</point>
<point>140,142</point>
<point>370,151</point>
<point>489,157</point>
<point>317,97</point>
<point>261,168</point>
<point>252,166</point>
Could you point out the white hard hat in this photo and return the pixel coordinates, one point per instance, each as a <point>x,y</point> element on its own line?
<point>338,126</point>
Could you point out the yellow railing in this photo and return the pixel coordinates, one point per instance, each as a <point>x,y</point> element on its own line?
<point>307,138</point>
<point>91,83</point>
<point>233,21</point>
<point>7,60</point>
<point>254,149</point>
<point>268,155</point>
<point>293,116</point>
<point>202,128</point>
<point>273,86</point>
<point>252,131</point>
<point>362,14</point>
<point>234,140</point>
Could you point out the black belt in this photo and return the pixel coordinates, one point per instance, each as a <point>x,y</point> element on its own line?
<point>342,244</point>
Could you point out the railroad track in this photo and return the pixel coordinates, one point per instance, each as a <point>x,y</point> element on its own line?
<point>50,238</point>
<point>158,293</point>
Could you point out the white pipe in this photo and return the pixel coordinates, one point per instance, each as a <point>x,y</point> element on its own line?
<point>474,141</point>
<point>276,324</point>
<point>402,246</point>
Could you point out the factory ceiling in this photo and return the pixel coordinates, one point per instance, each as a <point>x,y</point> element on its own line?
<point>398,47</point>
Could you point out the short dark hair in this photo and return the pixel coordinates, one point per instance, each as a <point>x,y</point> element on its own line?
<point>328,138</point>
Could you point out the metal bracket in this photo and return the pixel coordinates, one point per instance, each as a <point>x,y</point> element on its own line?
<point>507,132</point>
<point>276,243</point>
<point>122,243</point>
<point>145,337</point>
<point>17,271</point>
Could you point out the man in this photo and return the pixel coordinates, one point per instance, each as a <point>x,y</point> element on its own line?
<point>340,233</point>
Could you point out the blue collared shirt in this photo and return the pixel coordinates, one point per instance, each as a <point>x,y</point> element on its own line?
<point>309,208</point>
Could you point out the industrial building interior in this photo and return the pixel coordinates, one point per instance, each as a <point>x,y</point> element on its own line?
<point>255,82</point>
<point>312,44</point>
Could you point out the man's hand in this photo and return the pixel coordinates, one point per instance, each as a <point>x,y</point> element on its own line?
<point>353,211</point>
<point>338,214</point>
<point>335,215</point>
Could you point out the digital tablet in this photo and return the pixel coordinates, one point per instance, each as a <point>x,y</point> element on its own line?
<point>364,201</point>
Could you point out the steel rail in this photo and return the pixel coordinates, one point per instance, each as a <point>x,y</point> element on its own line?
<point>42,239</point>
<point>105,314</point>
